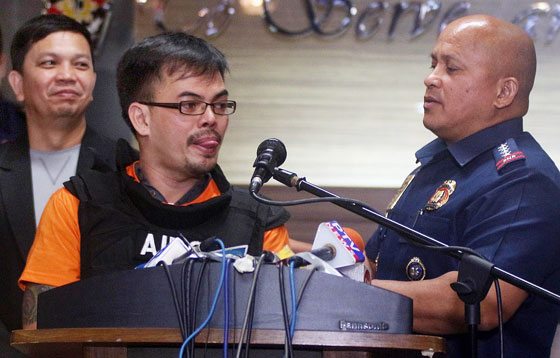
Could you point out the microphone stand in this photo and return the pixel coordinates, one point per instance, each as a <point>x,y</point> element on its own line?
<point>475,273</point>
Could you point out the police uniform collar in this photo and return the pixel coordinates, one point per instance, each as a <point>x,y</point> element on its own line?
<point>472,146</point>
<point>429,151</point>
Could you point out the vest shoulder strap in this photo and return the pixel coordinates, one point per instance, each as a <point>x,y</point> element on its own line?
<point>269,216</point>
<point>93,185</point>
<point>78,188</point>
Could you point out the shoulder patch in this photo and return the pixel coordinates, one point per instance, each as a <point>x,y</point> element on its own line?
<point>506,153</point>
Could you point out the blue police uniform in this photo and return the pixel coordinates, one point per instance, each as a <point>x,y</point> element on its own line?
<point>498,193</point>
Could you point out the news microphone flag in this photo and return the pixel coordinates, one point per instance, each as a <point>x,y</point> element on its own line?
<point>347,252</point>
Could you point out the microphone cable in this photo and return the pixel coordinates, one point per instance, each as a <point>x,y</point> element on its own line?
<point>456,249</point>
<point>265,258</point>
<point>249,331</point>
<point>304,286</point>
<point>500,315</point>
<point>214,301</point>
<point>288,349</point>
<point>186,277</point>
<point>194,306</point>
<point>295,303</point>
<point>189,312</point>
<point>249,311</point>
<point>226,307</point>
<point>294,300</point>
<point>330,199</point>
<point>233,316</point>
<point>174,295</point>
<point>250,325</point>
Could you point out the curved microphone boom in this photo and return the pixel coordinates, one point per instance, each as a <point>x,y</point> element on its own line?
<point>271,153</point>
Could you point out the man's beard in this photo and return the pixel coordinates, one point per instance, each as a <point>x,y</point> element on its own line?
<point>200,168</point>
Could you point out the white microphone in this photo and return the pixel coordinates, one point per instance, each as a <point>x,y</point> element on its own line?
<point>332,235</point>
<point>177,249</point>
<point>335,252</point>
<point>310,261</point>
<point>349,259</point>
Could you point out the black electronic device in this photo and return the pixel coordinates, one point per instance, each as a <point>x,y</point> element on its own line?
<point>143,298</point>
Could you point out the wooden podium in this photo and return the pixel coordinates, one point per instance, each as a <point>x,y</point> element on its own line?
<point>130,313</point>
<point>114,342</point>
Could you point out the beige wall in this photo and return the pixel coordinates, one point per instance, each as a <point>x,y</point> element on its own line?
<point>347,110</point>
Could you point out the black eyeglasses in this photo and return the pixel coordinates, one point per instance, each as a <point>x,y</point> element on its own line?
<point>194,108</point>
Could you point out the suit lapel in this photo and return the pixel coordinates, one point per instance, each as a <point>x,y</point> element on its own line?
<point>96,152</point>
<point>86,157</point>
<point>16,183</point>
<point>17,193</point>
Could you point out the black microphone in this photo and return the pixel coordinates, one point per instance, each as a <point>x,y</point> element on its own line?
<point>209,244</point>
<point>325,253</point>
<point>271,153</point>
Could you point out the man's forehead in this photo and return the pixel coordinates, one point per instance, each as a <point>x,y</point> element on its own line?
<point>63,33</point>
<point>446,50</point>
<point>462,39</point>
<point>57,44</point>
<point>183,73</point>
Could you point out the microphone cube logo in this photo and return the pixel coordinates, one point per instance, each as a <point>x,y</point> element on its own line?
<point>345,240</point>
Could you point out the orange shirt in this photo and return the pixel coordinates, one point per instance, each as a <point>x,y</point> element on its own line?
<point>54,258</point>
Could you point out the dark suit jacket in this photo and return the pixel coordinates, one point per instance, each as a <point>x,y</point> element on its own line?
<point>17,215</point>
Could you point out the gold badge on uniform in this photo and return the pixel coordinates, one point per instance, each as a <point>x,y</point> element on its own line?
<point>415,269</point>
<point>400,192</point>
<point>441,196</point>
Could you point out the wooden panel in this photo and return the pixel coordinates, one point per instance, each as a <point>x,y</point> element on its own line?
<point>55,342</point>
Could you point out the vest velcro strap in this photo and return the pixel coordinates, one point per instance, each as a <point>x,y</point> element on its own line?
<point>77,187</point>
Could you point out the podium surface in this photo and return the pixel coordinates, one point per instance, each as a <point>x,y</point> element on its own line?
<point>114,342</point>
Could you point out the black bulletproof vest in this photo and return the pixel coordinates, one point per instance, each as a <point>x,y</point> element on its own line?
<point>121,225</point>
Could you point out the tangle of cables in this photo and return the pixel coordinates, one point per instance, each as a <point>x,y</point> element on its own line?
<point>189,282</point>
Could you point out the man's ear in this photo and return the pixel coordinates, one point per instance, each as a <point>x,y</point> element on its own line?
<point>16,82</point>
<point>506,92</point>
<point>140,118</point>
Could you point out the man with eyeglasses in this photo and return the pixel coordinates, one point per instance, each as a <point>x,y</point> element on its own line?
<point>173,97</point>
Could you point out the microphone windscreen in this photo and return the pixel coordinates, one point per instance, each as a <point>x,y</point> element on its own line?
<point>356,237</point>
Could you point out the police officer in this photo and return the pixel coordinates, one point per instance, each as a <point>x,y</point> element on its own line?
<point>483,183</point>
